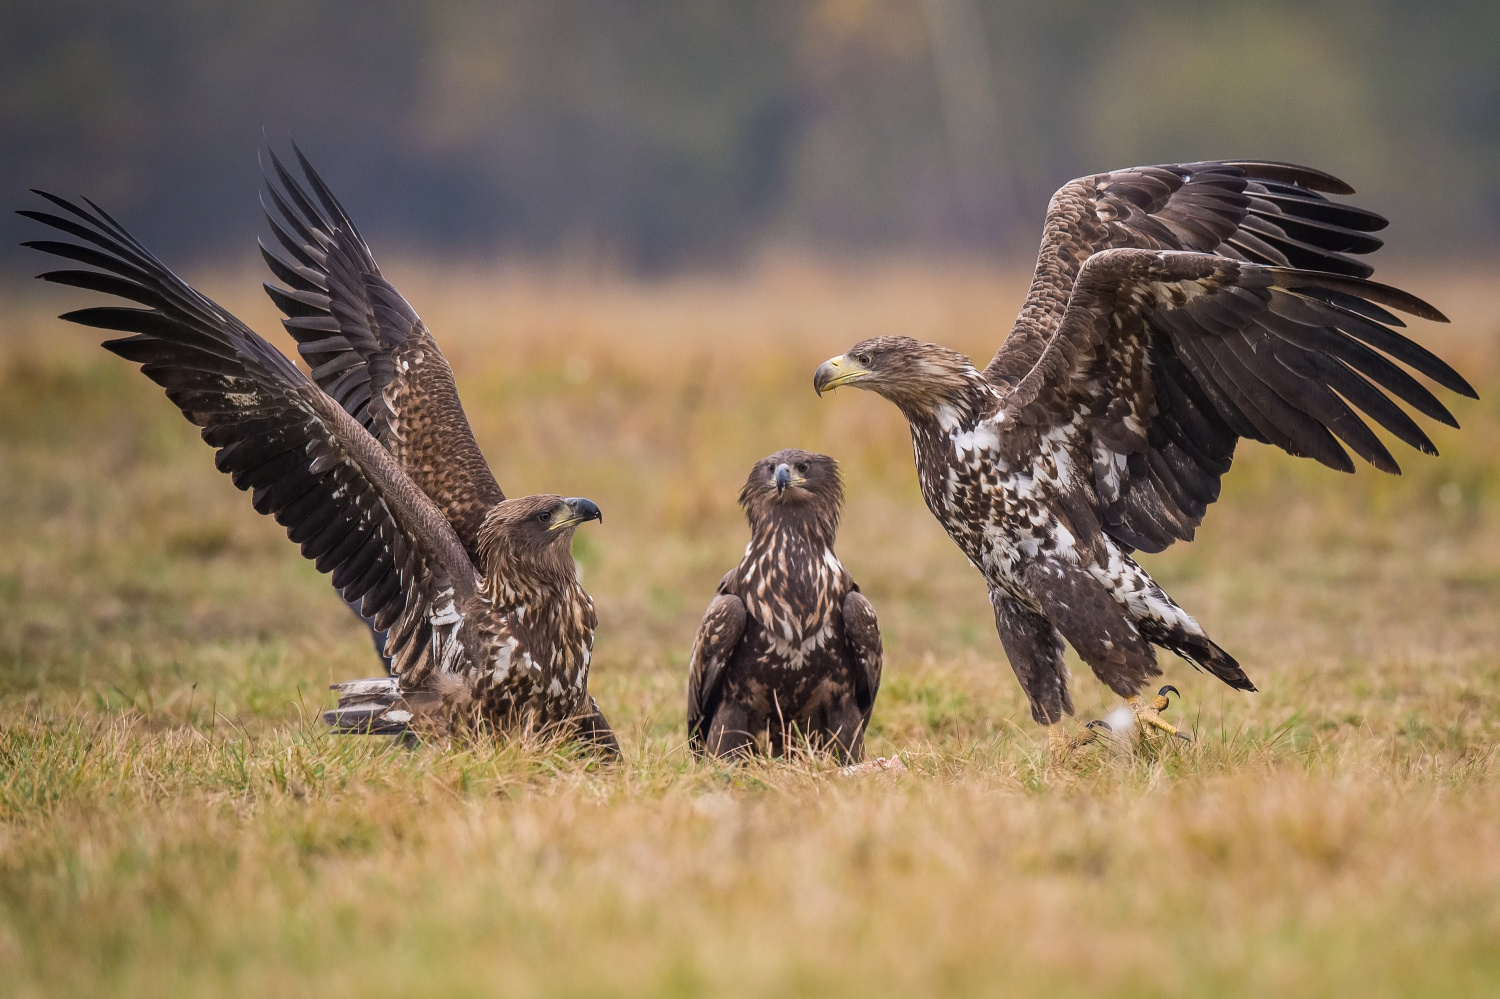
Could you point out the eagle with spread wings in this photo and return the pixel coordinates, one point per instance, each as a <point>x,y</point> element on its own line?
<point>1174,310</point>
<point>789,648</point>
<point>371,466</point>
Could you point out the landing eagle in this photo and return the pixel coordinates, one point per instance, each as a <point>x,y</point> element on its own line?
<point>370,465</point>
<point>1174,310</point>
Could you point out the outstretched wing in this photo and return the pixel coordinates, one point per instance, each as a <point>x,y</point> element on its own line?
<point>369,351</point>
<point>1163,360</point>
<point>722,628</point>
<point>305,460</point>
<point>1268,213</point>
<point>862,634</point>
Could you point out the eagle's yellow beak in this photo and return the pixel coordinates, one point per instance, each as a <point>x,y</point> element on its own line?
<point>837,371</point>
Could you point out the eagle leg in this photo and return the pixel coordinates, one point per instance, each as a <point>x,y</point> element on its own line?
<point>1061,743</point>
<point>1148,713</point>
<point>595,734</point>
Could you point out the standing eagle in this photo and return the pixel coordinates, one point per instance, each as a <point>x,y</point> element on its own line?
<point>789,648</point>
<point>372,468</point>
<point>1174,310</point>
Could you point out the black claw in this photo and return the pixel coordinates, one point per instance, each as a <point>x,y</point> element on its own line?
<point>1168,689</point>
<point>1099,723</point>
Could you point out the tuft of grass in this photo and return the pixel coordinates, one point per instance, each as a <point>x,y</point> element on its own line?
<point>174,820</point>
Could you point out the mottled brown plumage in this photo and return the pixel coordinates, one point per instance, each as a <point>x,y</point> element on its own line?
<point>513,654</point>
<point>486,623</point>
<point>789,649</point>
<point>1174,310</point>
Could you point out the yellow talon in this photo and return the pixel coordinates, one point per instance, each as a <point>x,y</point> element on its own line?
<point>1148,713</point>
<point>1063,739</point>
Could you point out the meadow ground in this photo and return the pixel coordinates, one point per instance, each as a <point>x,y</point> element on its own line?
<point>174,822</point>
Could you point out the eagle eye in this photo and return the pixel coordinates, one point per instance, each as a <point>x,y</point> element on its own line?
<point>545,516</point>
<point>801,468</point>
<point>864,360</point>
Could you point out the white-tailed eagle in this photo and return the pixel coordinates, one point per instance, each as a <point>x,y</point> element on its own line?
<point>370,465</point>
<point>789,649</point>
<point>1174,310</point>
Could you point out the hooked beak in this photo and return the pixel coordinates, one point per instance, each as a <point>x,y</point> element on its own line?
<point>579,511</point>
<point>837,371</point>
<point>786,477</point>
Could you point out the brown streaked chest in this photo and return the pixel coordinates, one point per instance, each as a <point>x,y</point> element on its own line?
<point>793,586</point>
<point>535,650</point>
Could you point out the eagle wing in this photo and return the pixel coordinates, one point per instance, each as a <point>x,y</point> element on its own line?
<point>862,635</point>
<point>1269,213</point>
<point>368,349</point>
<point>306,461</point>
<point>1164,359</point>
<point>722,628</point>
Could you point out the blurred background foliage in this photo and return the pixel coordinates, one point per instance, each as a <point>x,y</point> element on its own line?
<point>659,134</point>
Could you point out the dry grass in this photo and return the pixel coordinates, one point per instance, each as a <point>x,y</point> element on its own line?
<point>172,821</point>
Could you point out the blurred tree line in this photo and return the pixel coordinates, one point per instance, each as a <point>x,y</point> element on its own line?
<point>664,133</point>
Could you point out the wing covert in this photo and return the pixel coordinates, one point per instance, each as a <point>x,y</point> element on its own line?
<point>1164,360</point>
<point>722,628</point>
<point>862,634</point>
<point>1257,211</point>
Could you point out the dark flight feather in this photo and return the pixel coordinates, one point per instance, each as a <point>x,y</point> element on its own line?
<point>367,347</point>
<point>263,417</point>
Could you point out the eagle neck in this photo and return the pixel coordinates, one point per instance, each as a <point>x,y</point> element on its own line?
<point>816,527</point>
<point>512,582</point>
<point>970,401</point>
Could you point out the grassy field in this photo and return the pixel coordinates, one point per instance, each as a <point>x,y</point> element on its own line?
<point>174,822</point>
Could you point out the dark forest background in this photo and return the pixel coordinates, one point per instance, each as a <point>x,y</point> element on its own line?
<point>671,133</point>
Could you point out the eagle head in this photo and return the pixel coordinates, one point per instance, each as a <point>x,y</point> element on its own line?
<point>794,483</point>
<point>914,375</point>
<point>526,542</point>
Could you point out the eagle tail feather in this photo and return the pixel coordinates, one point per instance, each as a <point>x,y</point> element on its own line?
<point>1203,653</point>
<point>369,707</point>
